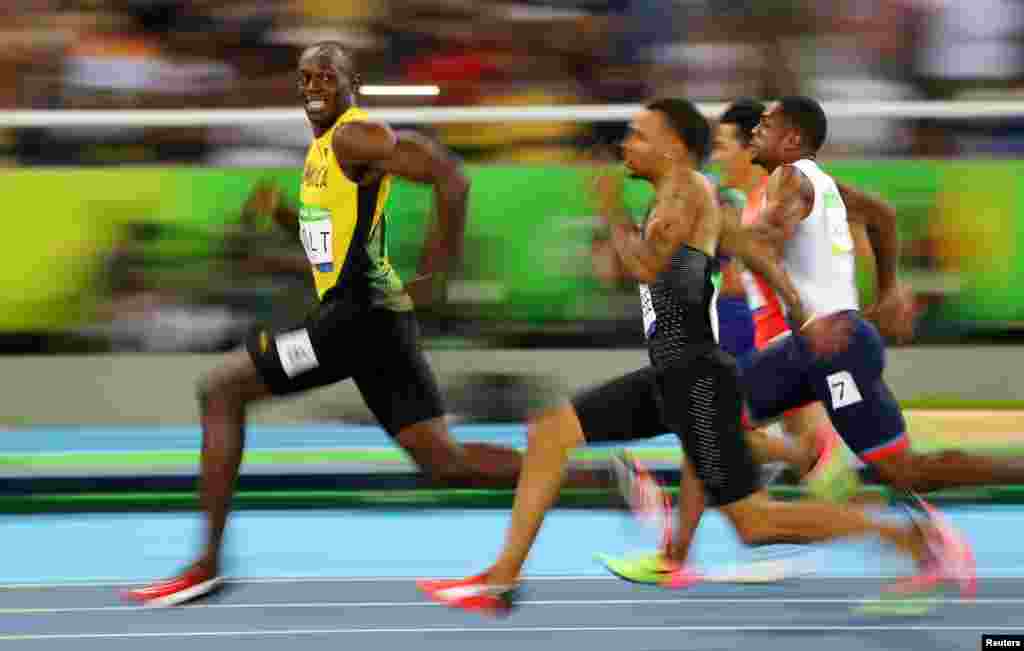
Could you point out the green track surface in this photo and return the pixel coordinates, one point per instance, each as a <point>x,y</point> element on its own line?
<point>84,461</point>
<point>991,430</point>
<point>145,460</point>
<point>436,499</point>
<point>176,459</point>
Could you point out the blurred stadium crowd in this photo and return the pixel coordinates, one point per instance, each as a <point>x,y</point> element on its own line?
<point>213,53</point>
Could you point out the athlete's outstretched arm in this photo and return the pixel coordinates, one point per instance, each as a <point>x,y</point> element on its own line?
<point>421,160</point>
<point>879,219</point>
<point>681,203</point>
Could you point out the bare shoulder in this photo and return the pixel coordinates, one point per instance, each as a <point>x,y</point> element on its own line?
<point>363,129</point>
<point>790,197</point>
<point>363,141</point>
<point>696,180</point>
<point>686,188</point>
<point>788,186</point>
<point>787,180</point>
<point>685,213</point>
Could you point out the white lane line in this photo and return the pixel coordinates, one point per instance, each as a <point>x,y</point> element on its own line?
<point>485,629</point>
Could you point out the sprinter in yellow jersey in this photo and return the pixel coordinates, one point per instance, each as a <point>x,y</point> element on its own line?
<point>364,327</point>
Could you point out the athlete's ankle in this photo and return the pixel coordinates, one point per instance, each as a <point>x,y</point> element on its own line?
<point>808,461</point>
<point>676,552</point>
<point>675,558</point>
<point>497,576</point>
<point>208,563</point>
<point>912,541</point>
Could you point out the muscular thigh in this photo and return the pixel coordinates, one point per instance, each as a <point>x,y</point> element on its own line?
<point>859,403</point>
<point>395,379</point>
<point>701,402</point>
<point>319,350</point>
<point>775,379</point>
<point>623,409</point>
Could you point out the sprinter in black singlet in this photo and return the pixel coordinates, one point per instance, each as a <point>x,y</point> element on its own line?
<point>690,387</point>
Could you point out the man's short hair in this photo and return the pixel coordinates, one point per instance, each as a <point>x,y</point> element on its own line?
<point>806,115</point>
<point>689,124</point>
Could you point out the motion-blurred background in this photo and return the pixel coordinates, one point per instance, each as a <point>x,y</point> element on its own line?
<point>128,238</point>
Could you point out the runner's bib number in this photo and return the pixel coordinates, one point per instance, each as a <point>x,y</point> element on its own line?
<point>317,234</point>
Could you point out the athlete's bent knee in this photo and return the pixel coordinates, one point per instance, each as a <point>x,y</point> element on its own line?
<point>212,391</point>
<point>203,392</point>
<point>217,392</point>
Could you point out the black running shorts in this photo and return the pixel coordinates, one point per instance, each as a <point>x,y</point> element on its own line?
<point>699,401</point>
<point>377,348</point>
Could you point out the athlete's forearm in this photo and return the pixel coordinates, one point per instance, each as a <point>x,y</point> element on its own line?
<point>443,246</point>
<point>611,207</point>
<point>761,256</point>
<point>885,243</point>
<point>779,280</point>
<point>879,219</point>
<point>764,261</point>
<point>636,254</point>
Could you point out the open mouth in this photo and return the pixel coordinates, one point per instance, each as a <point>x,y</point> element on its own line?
<point>315,104</point>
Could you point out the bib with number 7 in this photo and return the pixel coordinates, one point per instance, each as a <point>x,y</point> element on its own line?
<point>317,234</point>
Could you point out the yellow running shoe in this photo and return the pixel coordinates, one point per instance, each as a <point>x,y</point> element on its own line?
<point>651,569</point>
<point>834,476</point>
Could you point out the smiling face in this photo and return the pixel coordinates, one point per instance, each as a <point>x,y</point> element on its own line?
<point>326,85</point>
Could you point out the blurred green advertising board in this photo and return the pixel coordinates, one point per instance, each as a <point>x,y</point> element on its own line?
<point>528,239</point>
